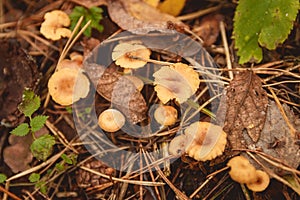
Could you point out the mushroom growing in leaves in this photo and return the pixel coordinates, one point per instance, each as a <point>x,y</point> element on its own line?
<point>165,115</point>
<point>111,120</point>
<point>261,182</point>
<point>53,26</point>
<point>241,170</point>
<point>68,85</point>
<point>130,55</point>
<point>207,141</point>
<point>178,81</point>
<point>201,140</point>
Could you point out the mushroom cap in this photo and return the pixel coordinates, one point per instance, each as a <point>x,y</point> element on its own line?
<point>165,115</point>
<point>177,145</point>
<point>178,81</point>
<point>127,55</point>
<point>111,120</point>
<point>52,27</point>
<point>138,83</point>
<point>206,141</point>
<point>261,183</point>
<point>241,170</point>
<point>68,85</point>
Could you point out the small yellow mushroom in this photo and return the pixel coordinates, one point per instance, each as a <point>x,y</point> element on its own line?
<point>165,115</point>
<point>68,85</point>
<point>130,55</point>
<point>52,27</point>
<point>241,170</point>
<point>261,183</point>
<point>111,120</point>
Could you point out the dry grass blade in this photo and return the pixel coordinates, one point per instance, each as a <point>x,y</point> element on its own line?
<point>145,183</point>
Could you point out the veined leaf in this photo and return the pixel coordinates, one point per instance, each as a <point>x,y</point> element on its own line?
<point>30,103</point>
<point>34,177</point>
<point>38,122</point>
<point>262,23</point>
<point>21,130</point>
<point>41,148</point>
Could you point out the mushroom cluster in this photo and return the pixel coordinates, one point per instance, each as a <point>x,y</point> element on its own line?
<point>68,84</point>
<point>201,140</point>
<point>242,171</point>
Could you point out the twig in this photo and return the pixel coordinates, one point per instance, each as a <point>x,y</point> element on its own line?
<point>9,193</point>
<point>198,13</point>
<point>225,43</point>
<point>200,187</point>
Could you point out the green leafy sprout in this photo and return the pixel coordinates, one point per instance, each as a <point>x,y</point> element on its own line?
<point>259,24</point>
<point>42,146</point>
<point>94,14</point>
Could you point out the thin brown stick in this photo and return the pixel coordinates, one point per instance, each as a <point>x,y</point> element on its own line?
<point>198,13</point>
<point>13,196</point>
<point>227,54</point>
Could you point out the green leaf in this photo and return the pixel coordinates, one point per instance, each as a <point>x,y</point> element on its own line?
<point>66,159</point>
<point>34,177</point>
<point>42,186</point>
<point>30,103</point>
<point>38,122</point>
<point>94,14</point>
<point>41,148</point>
<point>262,23</point>
<point>21,130</point>
<point>3,178</point>
<point>59,167</point>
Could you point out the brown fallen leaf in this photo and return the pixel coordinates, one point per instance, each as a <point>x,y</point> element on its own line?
<point>275,138</point>
<point>90,3</point>
<point>139,17</point>
<point>209,29</point>
<point>119,90</point>
<point>245,108</point>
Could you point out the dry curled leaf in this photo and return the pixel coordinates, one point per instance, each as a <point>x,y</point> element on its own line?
<point>246,107</point>
<point>139,17</point>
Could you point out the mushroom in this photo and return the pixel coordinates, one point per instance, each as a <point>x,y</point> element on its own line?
<point>75,62</point>
<point>241,170</point>
<point>261,183</point>
<point>177,145</point>
<point>165,115</point>
<point>52,27</point>
<point>138,83</point>
<point>178,81</point>
<point>111,120</point>
<point>130,55</point>
<point>206,141</point>
<point>68,85</point>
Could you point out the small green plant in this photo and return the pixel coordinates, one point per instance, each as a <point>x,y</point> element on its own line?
<point>259,24</point>
<point>41,147</point>
<point>3,178</point>
<point>94,14</point>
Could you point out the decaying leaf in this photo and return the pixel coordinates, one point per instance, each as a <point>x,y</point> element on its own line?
<point>90,3</point>
<point>209,28</point>
<point>246,107</point>
<point>120,91</point>
<point>275,138</point>
<point>139,17</point>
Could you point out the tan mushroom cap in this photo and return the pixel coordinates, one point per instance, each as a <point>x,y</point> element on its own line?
<point>178,81</point>
<point>130,55</point>
<point>68,85</point>
<point>138,83</point>
<point>52,27</point>
<point>206,141</point>
<point>177,145</point>
<point>261,183</point>
<point>111,120</point>
<point>165,115</point>
<point>241,170</point>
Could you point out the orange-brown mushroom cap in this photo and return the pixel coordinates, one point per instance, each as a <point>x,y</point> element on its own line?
<point>111,120</point>
<point>68,85</point>
<point>261,183</point>
<point>178,81</point>
<point>53,26</point>
<point>241,170</point>
<point>165,115</point>
<point>130,55</point>
<point>206,141</point>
